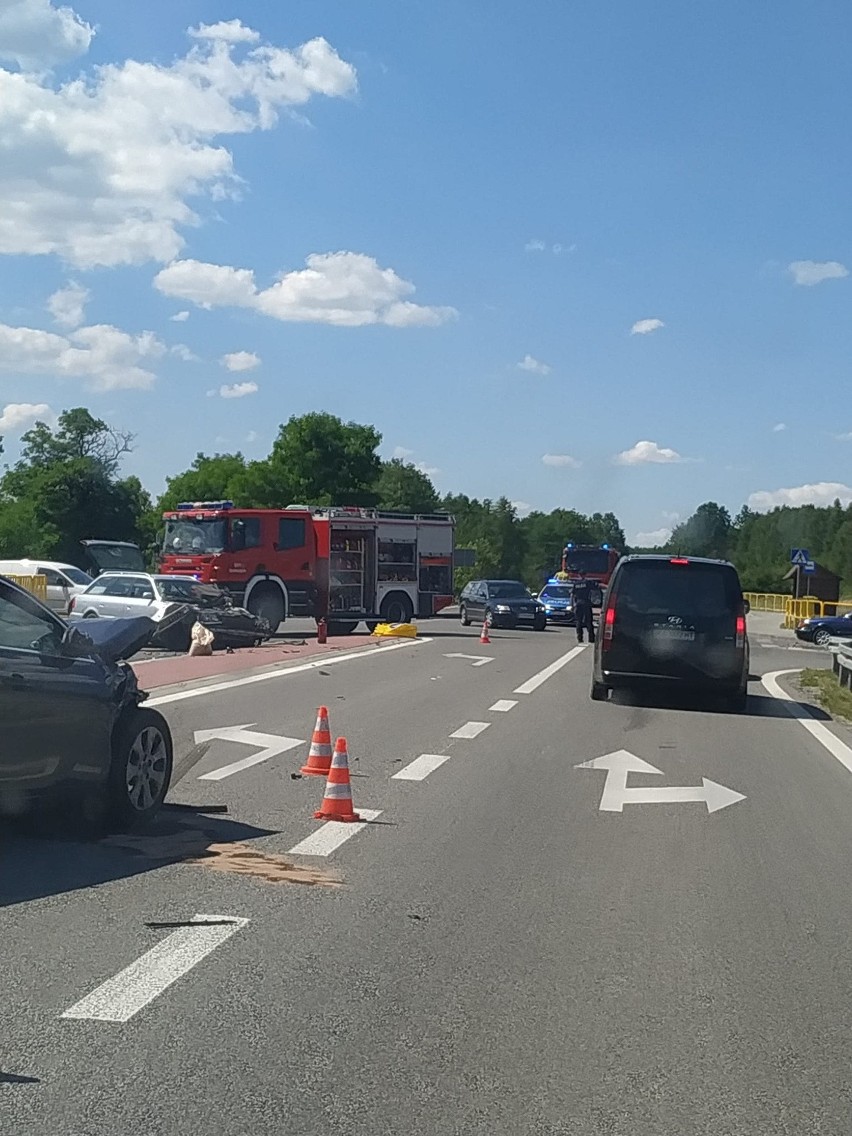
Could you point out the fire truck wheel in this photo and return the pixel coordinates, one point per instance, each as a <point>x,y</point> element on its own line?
<point>267,602</point>
<point>396,608</point>
<point>341,627</point>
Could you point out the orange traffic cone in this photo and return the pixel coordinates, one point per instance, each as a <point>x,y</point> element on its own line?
<point>319,759</point>
<point>484,638</point>
<point>337,799</point>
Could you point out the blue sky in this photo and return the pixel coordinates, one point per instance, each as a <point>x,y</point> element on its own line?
<point>580,254</point>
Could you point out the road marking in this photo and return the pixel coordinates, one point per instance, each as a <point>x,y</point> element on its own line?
<point>616,794</point>
<point>535,682</point>
<point>504,705</point>
<point>803,716</point>
<point>470,730</point>
<point>269,745</point>
<point>267,676</point>
<point>421,767</point>
<point>478,660</point>
<point>119,998</point>
<point>332,834</point>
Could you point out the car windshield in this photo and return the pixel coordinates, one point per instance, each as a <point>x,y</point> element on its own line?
<point>557,592</point>
<point>508,591</point>
<point>76,576</point>
<point>587,560</point>
<point>195,537</point>
<point>177,589</point>
<point>660,588</point>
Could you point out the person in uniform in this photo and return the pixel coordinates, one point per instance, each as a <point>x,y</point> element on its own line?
<point>582,597</point>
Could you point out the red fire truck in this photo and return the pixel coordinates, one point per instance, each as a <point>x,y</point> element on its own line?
<point>339,563</point>
<point>596,561</point>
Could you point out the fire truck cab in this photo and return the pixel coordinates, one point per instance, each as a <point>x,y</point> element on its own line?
<point>343,564</point>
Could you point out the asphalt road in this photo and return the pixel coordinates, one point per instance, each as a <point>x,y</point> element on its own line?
<point>500,955</point>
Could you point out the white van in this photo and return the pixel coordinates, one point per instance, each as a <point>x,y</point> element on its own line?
<point>64,581</point>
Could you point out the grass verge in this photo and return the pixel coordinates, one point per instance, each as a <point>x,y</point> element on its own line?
<point>833,697</point>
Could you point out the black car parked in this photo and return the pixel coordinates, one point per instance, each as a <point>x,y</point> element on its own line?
<point>503,603</point>
<point>820,629</point>
<point>673,621</point>
<point>71,717</point>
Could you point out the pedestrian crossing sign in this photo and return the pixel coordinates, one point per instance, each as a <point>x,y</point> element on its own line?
<point>799,556</point>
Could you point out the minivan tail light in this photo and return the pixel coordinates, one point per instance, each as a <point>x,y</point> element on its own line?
<point>741,630</point>
<point>608,627</point>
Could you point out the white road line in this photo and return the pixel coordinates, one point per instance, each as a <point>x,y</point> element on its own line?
<point>315,664</point>
<point>421,767</point>
<point>535,682</point>
<point>470,730</point>
<point>803,716</point>
<point>332,834</point>
<point>119,998</point>
<point>504,705</point>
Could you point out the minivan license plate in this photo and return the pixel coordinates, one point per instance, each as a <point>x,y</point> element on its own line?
<point>677,633</point>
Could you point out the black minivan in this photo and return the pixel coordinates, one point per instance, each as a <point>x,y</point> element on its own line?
<point>673,621</point>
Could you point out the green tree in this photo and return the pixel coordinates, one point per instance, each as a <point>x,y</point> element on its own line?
<point>706,533</point>
<point>209,478</point>
<point>403,488</point>
<point>325,461</point>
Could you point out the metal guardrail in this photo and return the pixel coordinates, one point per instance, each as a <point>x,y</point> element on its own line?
<point>35,584</point>
<point>842,661</point>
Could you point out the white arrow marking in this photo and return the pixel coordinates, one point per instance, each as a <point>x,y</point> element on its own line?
<point>616,794</point>
<point>269,745</point>
<point>478,660</point>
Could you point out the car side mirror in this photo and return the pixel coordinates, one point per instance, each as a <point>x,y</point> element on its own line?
<point>746,606</point>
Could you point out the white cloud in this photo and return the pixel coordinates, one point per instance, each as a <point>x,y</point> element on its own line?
<point>820,493</point>
<point>179,317</point>
<point>181,351</point>
<point>347,289</point>
<point>672,517</point>
<point>534,366</point>
<point>844,437</point>
<point>645,327</point>
<point>522,508</point>
<point>651,539</point>
<point>100,170</point>
<point>779,427</point>
<point>109,359</point>
<point>20,415</point>
<point>560,461</point>
<point>240,361</point>
<point>810,272</point>
<point>402,453</point>
<point>68,305</point>
<point>226,31</point>
<point>238,390</point>
<point>534,245</point>
<point>34,34</point>
<point>428,470</point>
<point>251,436</point>
<point>645,453</point>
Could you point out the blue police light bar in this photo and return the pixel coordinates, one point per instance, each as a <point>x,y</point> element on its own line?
<point>570,544</point>
<point>186,506</point>
<point>605,546</point>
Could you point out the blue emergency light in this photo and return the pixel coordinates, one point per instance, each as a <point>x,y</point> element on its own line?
<point>186,506</point>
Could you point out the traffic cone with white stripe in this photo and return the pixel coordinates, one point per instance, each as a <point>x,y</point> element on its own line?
<point>337,799</point>
<point>319,758</point>
<point>484,637</point>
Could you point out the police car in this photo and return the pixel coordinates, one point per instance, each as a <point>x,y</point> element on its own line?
<point>557,597</point>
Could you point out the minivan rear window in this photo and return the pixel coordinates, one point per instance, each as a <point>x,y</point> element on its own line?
<point>657,587</point>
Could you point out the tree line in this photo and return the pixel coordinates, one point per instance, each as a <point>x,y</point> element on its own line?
<point>67,487</point>
<point>760,543</point>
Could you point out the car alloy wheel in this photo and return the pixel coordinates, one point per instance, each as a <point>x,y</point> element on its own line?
<point>147,769</point>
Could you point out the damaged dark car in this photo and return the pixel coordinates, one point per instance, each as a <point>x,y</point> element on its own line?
<point>72,723</point>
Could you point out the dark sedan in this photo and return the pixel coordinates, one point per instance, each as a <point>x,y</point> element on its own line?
<point>71,718</point>
<point>502,603</point>
<point>820,629</point>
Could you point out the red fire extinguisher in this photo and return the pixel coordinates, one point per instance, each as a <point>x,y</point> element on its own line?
<point>322,631</point>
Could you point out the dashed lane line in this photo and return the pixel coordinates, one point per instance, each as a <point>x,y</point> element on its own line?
<point>421,767</point>
<point>284,672</point>
<point>332,834</point>
<point>537,679</point>
<point>470,730</point>
<point>504,705</point>
<point>119,998</point>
